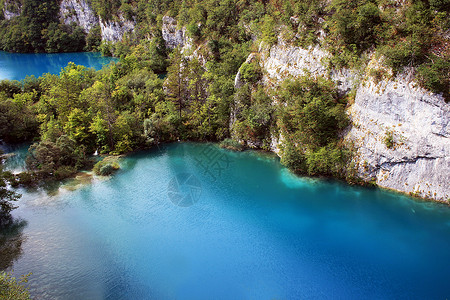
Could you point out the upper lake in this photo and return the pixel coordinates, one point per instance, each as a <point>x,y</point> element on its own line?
<point>16,66</point>
<point>193,221</point>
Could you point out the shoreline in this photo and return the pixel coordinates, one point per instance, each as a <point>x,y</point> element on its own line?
<point>83,174</point>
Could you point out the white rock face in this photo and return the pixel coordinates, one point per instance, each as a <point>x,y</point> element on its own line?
<point>419,161</point>
<point>284,60</point>
<point>113,31</point>
<point>11,9</point>
<point>172,36</point>
<point>79,12</point>
<point>10,14</point>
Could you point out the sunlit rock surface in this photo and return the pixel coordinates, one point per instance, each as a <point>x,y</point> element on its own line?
<point>79,12</point>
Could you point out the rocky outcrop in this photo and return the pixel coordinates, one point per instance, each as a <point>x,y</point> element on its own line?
<point>173,36</point>
<point>402,136</point>
<point>11,9</point>
<point>79,12</point>
<point>401,132</point>
<point>114,31</point>
<point>282,60</point>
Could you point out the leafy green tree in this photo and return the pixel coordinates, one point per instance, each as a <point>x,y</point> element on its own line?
<point>99,95</point>
<point>13,289</point>
<point>7,197</point>
<point>58,159</point>
<point>311,117</point>
<point>269,33</point>
<point>251,72</point>
<point>354,24</point>
<point>77,127</point>
<point>127,133</point>
<point>94,39</point>
<point>18,122</point>
<point>99,127</point>
<point>175,82</point>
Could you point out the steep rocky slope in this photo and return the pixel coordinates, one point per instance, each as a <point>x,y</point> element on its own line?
<point>78,12</point>
<point>400,131</point>
<point>417,124</point>
<point>81,13</point>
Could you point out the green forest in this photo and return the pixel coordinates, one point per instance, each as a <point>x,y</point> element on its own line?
<point>156,95</point>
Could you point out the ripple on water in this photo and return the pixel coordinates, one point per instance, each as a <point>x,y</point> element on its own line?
<point>257,231</point>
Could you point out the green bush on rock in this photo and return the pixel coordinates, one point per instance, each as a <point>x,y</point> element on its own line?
<point>106,167</point>
<point>311,117</point>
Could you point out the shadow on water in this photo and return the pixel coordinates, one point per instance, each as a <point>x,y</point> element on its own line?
<point>11,240</point>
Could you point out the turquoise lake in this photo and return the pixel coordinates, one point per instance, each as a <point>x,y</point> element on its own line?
<point>16,66</point>
<point>193,221</point>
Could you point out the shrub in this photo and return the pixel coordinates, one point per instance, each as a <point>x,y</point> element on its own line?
<point>329,160</point>
<point>94,39</point>
<point>106,166</point>
<point>377,74</point>
<point>389,139</point>
<point>193,31</point>
<point>232,145</point>
<point>64,172</point>
<point>435,76</point>
<point>13,289</point>
<point>251,72</point>
<point>312,115</point>
<point>268,30</point>
<point>292,157</point>
<point>26,178</point>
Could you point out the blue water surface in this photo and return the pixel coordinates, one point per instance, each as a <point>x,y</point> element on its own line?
<point>16,66</point>
<point>252,231</point>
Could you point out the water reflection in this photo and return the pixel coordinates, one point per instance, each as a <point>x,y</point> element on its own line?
<point>11,240</point>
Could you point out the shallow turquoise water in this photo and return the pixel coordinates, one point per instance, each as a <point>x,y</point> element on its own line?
<point>15,163</point>
<point>16,66</point>
<point>239,226</point>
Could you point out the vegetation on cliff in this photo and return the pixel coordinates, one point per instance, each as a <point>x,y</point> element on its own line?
<point>407,34</point>
<point>38,29</point>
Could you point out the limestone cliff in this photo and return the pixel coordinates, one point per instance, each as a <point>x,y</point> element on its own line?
<point>114,31</point>
<point>79,12</point>
<point>174,36</point>
<point>414,120</point>
<point>417,123</point>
